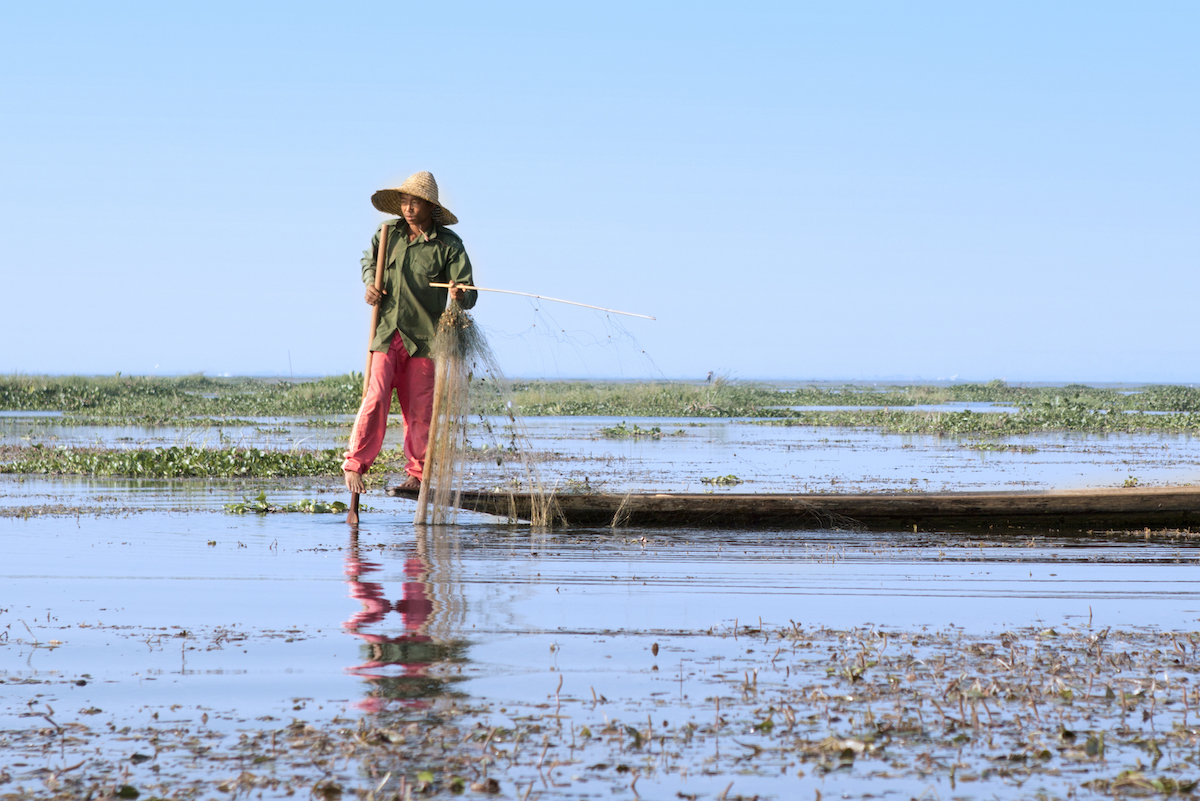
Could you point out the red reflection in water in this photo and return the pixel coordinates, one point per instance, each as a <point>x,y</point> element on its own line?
<point>411,651</point>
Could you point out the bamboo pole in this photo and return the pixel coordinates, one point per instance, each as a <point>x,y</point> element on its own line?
<point>380,264</point>
<point>544,297</point>
<point>432,448</point>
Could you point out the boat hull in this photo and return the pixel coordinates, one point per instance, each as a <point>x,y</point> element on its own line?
<point>1123,509</point>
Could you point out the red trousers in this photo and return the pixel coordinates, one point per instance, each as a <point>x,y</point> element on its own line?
<point>412,379</point>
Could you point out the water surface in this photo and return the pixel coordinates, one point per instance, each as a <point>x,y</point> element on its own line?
<point>252,622</point>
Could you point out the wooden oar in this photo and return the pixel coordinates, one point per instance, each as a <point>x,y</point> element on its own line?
<point>380,263</point>
<point>543,297</point>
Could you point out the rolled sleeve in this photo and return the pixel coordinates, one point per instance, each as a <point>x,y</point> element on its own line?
<point>459,270</point>
<point>368,261</point>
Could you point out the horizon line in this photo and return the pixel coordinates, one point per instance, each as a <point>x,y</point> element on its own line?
<point>724,377</point>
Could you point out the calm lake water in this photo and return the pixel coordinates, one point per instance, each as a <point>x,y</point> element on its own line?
<point>253,619</point>
<point>767,458</point>
<point>184,615</point>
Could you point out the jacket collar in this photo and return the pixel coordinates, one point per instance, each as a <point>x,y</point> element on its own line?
<point>401,228</point>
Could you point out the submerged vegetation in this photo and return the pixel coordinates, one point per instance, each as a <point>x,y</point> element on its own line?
<point>1043,709</point>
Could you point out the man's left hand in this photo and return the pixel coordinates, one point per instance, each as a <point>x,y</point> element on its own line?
<point>457,293</point>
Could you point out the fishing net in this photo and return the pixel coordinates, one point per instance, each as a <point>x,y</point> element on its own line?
<point>465,363</point>
<point>577,343</point>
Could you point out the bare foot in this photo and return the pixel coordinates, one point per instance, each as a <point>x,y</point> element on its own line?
<point>354,482</point>
<point>410,485</point>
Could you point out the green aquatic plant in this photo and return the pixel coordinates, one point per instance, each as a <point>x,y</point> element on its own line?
<point>204,401</point>
<point>620,431</point>
<point>1029,419</point>
<point>649,399</point>
<point>999,446</point>
<point>1168,399</point>
<point>151,399</point>
<point>260,505</point>
<point>725,481</point>
<point>747,399</point>
<point>185,461</point>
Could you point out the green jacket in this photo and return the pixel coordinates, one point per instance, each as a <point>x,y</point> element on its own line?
<point>411,306</point>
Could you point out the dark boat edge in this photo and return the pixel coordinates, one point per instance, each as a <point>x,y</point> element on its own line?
<point>1122,509</point>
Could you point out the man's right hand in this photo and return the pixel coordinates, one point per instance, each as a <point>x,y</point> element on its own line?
<point>373,295</point>
<point>354,482</point>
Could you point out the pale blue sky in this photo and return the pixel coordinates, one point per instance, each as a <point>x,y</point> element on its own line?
<point>795,190</point>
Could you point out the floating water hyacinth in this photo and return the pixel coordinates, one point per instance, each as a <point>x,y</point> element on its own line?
<point>260,505</point>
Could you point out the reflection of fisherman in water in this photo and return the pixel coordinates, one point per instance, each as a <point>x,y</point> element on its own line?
<point>397,666</point>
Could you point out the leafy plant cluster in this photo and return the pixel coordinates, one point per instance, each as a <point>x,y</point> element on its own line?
<point>176,462</point>
<point>730,399</point>
<point>1000,446</point>
<point>621,431</point>
<point>162,400</point>
<point>1066,415</point>
<point>650,399</point>
<point>260,505</point>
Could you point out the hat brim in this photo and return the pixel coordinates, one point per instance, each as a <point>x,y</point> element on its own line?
<point>388,201</point>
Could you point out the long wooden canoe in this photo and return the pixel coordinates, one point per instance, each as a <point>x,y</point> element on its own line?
<point>1134,508</point>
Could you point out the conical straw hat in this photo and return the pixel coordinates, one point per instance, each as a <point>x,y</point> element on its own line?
<point>419,184</point>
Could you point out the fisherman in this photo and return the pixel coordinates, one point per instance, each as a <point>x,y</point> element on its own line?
<point>420,250</point>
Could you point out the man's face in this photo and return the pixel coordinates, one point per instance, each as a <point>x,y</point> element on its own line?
<point>418,213</point>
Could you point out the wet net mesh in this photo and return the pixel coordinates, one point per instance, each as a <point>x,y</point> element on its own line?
<point>468,379</point>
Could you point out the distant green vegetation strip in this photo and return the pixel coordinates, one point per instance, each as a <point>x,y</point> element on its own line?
<point>188,400</point>
<point>650,399</point>
<point>203,401</point>
<point>735,399</point>
<point>175,462</point>
<point>1028,420</point>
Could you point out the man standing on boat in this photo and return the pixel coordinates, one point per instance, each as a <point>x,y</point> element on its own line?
<point>420,250</point>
